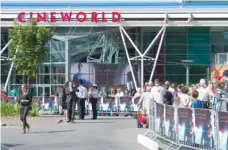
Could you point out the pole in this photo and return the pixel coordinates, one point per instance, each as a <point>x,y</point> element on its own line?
<point>142,73</point>
<point>187,74</point>
<point>133,44</point>
<point>4,48</point>
<point>9,75</point>
<point>128,58</point>
<point>67,61</point>
<point>154,40</point>
<point>157,55</point>
<point>10,71</point>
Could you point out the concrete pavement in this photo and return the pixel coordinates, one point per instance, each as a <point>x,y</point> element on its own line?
<point>105,133</point>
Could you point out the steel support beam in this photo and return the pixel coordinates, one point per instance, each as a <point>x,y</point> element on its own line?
<point>153,41</point>
<point>157,55</point>
<point>4,48</point>
<point>100,39</point>
<point>128,58</point>
<point>67,61</point>
<point>133,44</point>
<point>141,55</point>
<point>10,72</point>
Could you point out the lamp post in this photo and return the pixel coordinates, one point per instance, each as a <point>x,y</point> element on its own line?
<point>187,67</point>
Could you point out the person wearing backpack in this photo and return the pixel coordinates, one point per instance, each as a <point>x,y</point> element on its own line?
<point>196,103</point>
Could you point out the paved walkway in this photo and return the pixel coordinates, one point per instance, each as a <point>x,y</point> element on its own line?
<point>104,133</point>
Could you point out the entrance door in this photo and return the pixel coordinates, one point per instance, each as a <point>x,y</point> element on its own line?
<point>44,90</point>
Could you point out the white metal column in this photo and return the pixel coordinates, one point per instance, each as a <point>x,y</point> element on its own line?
<point>141,55</point>
<point>157,55</point>
<point>67,61</point>
<point>128,58</point>
<point>10,71</point>
<point>4,48</point>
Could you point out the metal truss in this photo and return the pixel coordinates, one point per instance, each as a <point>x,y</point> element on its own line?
<point>5,47</point>
<point>57,47</point>
<point>89,58</point>
<point>110,47</point>
<point>142,55</point>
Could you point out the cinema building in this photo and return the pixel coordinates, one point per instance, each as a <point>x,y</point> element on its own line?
<point>119,42</point>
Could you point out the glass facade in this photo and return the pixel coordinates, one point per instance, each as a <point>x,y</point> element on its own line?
<point>103,45</point>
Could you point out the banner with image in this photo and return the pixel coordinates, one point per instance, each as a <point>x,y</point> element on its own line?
<point>159,126</point>
<point>170,122</point>
<point>204,128</point>
<point>185,125</point>
<point>223,130</point>
<point>152,115</point>
<point>125,103</point>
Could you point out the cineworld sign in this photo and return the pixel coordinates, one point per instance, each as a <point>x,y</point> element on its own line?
<point>69,17</point>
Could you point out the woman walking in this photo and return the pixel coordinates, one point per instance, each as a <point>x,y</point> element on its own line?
<point>25,100</point>
<point>71,99</point>
<point>61,97</point>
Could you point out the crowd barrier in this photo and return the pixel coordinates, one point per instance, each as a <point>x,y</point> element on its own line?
<point>106,105</point>
<point>191,128</point>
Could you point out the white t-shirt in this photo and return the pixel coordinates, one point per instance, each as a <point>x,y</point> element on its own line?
<point>82,93</point>
<point>157,92</point>
<point>184,100</point>
<point>94,93</point>
<point>203,94</point>
<point>147,99</point>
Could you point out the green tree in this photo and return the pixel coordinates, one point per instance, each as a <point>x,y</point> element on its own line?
<point>28,47</point>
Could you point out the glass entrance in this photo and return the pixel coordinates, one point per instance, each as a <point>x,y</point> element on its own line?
<point>43,90</point>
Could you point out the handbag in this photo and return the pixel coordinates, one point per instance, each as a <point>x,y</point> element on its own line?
<point>25,102</point>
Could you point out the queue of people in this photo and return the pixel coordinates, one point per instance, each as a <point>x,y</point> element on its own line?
<point>205,95</point>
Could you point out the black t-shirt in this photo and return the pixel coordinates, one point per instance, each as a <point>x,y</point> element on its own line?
<point>168,97</point>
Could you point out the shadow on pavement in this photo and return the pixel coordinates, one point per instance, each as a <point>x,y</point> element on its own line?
<point>11,145</point>
<point>115,118</point>
<point>61,131</point>
<point>95,122</point>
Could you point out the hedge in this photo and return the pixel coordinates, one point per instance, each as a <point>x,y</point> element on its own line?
<point>8,109</point>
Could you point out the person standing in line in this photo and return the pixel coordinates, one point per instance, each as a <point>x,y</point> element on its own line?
<point>184,98</point>
<point>70,90</point>
<point>93,95</point>
<point>25,100</point>
<point>82,94</point>
<point>195,102</point>
<point>203,93</point>
<point>168,96</point>
<point>146,100</point>
<point>157,92</point>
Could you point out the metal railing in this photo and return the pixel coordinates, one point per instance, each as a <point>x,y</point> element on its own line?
<point>188,128</point>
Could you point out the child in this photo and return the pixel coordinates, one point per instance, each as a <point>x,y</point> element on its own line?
<point>195,102</point>
<point>142,119</point>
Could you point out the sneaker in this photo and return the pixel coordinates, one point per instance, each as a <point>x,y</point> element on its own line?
<point>23,131</point>
<point>28,128</point>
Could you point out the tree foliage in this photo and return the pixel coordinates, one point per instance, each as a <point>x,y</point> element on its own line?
<point>28,47</point>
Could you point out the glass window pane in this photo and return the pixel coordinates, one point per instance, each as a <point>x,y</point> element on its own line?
<point>57,78</point>
<point>57,68</point>
<point>44,69</point>
<point>43,79</point>
<point>57,56</point>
